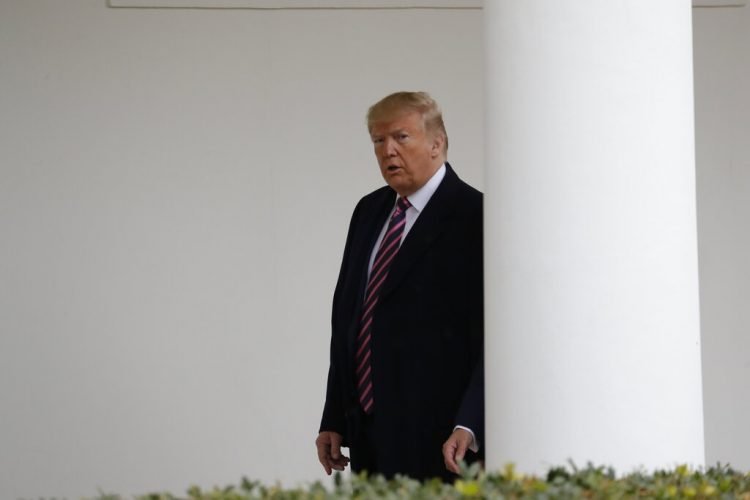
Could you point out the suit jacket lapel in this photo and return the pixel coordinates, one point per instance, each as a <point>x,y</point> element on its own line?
<point>372,225</point>
<point>426,229</point>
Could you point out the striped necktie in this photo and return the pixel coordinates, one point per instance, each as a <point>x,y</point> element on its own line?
<point>382,263</point>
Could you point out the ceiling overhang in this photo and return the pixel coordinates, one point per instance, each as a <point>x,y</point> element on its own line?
<point>343,4</point>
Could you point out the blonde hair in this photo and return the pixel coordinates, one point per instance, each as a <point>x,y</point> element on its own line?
<point>400,103</point>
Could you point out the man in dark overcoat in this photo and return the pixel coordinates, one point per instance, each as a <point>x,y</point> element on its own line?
<point>405,381</point>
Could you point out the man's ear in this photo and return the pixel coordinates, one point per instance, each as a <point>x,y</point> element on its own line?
<point>437,146</point>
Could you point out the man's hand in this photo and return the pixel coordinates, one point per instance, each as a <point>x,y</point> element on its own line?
<point>329,451</point>
<point>455,448</point>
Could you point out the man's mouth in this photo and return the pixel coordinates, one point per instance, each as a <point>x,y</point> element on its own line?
<point>393,168</point>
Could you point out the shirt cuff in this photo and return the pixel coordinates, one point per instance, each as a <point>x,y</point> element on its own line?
<point>474,446</point>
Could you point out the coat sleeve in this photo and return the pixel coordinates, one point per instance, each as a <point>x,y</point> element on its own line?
<point>334,410</point>
<point>471,411</point>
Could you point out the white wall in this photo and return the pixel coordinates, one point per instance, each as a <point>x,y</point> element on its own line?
<point>174,192</point>
<point>175,187</point>
<point>722,80</point>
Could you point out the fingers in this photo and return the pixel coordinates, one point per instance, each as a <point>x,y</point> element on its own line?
<point>449,454</point>
<point>338,461</point>
<point>329,452</point>
<point>463,444</point>
<point>322,443</point>
<point>335,446</point>
<point>454,450</point>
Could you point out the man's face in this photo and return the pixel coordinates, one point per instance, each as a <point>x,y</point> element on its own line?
<point>407,155</point>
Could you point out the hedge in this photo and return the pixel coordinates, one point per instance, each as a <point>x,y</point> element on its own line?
<point>569,482</point>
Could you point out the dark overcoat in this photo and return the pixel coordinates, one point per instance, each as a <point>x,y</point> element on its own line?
<point>427,333</point>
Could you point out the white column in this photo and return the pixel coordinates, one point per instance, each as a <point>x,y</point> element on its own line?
<point>593,340</point>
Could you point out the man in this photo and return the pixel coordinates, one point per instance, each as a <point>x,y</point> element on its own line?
<point>405,382</point>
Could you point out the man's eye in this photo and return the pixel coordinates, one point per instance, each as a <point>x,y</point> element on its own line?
<point>377,140</point>
<point>402,137</point>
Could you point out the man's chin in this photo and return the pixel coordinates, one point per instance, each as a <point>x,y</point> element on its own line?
<point>402,188</point>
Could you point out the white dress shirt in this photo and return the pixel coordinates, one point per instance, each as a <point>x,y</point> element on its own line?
<point>418,201</point>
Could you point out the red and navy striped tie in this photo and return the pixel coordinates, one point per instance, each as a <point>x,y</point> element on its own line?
<point>380,266</point>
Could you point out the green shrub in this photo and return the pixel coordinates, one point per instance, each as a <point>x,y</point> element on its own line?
<point>571,482</point>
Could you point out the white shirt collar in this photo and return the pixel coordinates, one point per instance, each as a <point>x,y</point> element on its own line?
<point>420,198</point>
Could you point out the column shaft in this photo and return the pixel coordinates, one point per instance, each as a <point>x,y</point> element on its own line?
<point>593,340</point>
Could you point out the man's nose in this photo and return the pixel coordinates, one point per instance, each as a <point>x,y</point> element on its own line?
<point>389,147</point>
